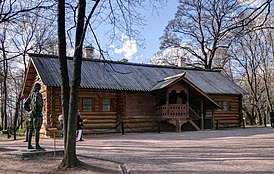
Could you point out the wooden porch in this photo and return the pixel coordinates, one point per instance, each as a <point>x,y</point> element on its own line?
<point>176,114</point>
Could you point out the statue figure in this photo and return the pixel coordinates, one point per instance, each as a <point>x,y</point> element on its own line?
<point>34,105</point>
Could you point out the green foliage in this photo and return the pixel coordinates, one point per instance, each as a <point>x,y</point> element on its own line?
<point>21,132</point>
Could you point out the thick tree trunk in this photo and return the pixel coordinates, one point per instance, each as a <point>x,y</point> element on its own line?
<point>63,64</point>
<point>70,158</point>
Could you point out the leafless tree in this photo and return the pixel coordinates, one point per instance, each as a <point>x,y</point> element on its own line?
<point>122,15</point>
<point>4,91</point>
<point>11,9</point>
<point>203,27</point>
<point>12,14</point>
<point>253,56</point>
<point>169,56</point>
<point>32,33</point>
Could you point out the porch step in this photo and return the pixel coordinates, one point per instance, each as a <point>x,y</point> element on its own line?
<point>194,125</point>
<point>181,123</point>
<point>188,127</point>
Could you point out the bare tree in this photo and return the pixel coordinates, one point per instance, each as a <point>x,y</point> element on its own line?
<point>5,78</point>
<point>11,14</point>
<point>252,54</point>
<point>11,9</point>
<point>169,56</point>
<point>32,33</point>
<point>203,27</point>
<point>122,15</point>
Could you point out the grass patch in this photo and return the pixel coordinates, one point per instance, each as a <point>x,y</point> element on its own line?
<point>21,132</point>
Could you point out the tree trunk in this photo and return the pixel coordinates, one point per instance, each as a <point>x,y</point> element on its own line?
<point>5,92</point>
<point>16,118</point>
<point>63,66</point>
<point>260,116</point>
<point>70,158</point>
<point>2,107</point>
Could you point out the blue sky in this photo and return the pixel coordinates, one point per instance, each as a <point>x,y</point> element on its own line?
<point>153,30</point>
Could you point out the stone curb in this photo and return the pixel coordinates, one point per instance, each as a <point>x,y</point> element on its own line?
<point>121,166</point>
<point>27,155</point>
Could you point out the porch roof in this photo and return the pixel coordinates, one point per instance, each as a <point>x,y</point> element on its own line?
<point>167,81</point>
<point>113,75</point>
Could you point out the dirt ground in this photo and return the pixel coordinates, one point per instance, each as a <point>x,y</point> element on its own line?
<point>232,151</point>
<point>48,166</point>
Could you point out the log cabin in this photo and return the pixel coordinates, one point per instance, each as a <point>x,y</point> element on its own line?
<point>121,96</point>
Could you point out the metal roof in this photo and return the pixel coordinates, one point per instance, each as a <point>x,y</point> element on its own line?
<point>167,81</point>
<point>111,75</point>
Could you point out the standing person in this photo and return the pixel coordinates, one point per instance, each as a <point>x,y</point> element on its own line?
<point>34,105</point>
<point>79,128</point>
<point>61,122</point>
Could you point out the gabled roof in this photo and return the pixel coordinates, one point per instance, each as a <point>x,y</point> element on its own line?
<point>112,75</point>
<point>167,81</point>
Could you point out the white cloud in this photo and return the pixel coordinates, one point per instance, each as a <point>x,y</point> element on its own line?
<point>128,48</point>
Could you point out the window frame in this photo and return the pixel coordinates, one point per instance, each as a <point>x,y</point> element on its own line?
<point>224,107</point>
<point>91,106</point>
<point>108,104</point>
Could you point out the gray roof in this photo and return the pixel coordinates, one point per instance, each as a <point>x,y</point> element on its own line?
<point>167,81</point>
<point>98,74</point>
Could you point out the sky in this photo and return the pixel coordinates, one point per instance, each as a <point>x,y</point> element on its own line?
<point>153,30</point>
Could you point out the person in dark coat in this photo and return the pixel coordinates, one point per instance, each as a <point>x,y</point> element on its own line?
<point>79,128</point>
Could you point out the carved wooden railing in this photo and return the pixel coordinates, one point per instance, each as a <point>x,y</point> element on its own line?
<point>172,111</point>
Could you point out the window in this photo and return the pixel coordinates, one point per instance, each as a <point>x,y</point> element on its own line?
<point>106,104</point>
<point>87,104</point>
<point>225,106</point>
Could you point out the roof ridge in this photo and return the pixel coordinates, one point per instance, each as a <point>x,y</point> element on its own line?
<point>124,63</point>
<point>171,77</point>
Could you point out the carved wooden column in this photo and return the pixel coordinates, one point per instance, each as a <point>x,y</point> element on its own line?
<point>167,102</point>
<point>178,125</point>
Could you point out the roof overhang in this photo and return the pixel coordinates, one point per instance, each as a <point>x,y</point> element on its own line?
<point>28,80</point>
<point>169,81</point>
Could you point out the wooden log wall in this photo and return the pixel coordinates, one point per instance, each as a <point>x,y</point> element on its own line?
<point>140,112</point>
<point>134,109</point>
<point>120,110</point>
<point>233,116</point>
<point>53,107</point>
<point>95,121</point>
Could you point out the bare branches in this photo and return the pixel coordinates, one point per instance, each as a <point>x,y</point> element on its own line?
<point>9,10</point>
<point>208,25</point>
<point>252,57</point>
<point>88,19</point>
